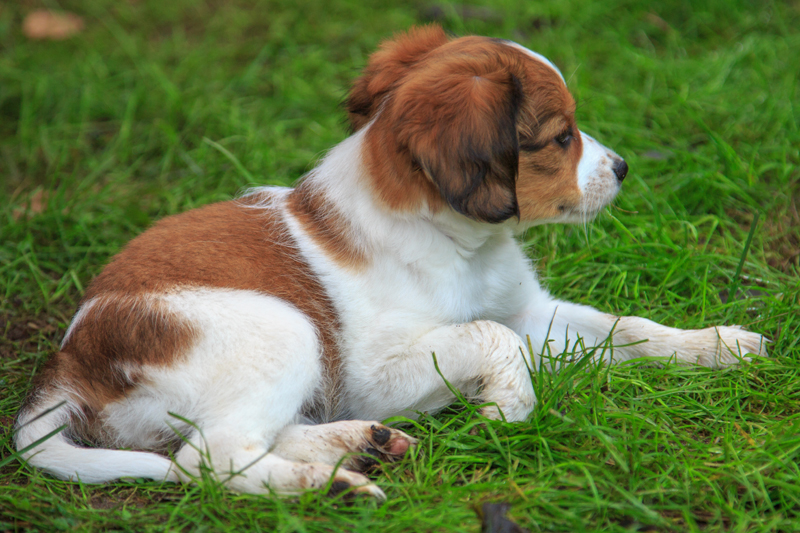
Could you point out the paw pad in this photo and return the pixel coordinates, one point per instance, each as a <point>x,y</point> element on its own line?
<point>338,487</point>
<point>381,435</point>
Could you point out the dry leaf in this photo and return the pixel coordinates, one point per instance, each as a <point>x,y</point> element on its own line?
<point>658,22</point>
<point>39,201</point>
<point>37,204</point>
<point>44,24</point>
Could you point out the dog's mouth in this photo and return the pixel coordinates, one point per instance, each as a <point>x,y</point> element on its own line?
<point>593,203</point>
<point>583,213</point>
<point>600,192</point>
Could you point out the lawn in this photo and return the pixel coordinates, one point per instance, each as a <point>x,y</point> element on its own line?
<point>157,106</point>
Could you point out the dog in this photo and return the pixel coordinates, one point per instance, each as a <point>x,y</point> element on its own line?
<point>263,339</point>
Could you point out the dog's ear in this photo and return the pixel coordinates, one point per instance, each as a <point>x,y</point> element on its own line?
<point>386,68</point>
<point>459,124</point>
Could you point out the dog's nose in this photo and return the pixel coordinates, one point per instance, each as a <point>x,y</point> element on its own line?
<point>620,169</point>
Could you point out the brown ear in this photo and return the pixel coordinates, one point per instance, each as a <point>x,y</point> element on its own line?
<point>387,67</point>
<point>459,124</point>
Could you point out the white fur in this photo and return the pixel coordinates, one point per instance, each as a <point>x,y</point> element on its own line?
<point>59,456</point>
<point>434,283</point>
<point>78,318</point>
<point>596,179</point>
<point>538,57</point>
<point>433,276</point>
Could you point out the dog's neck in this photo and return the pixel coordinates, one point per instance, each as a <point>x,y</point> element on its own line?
<point>345,182</point>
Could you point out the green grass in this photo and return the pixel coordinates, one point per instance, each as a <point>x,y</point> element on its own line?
<point>161,106</point>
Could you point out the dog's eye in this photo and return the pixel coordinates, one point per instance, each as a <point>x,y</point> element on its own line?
<point>529,145</point>
<point>563,139</point>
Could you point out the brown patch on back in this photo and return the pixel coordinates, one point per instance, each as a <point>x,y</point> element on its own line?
<point>100,361</point>
<point>231,245</point>
<point>325,225</point>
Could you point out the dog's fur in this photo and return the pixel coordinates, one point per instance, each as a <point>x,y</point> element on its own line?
<point>256,318</point>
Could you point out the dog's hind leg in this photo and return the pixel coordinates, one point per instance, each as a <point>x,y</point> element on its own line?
<point>255,363</point>
<point>365,442</point>
<point>243,464</point>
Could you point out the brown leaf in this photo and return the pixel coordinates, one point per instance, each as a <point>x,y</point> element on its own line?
<point>39,201</point>
<point>658,22</point>
<point>43,24</point>
<point>37,204</point>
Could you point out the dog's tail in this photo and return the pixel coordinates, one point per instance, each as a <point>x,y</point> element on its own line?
<point>43,426</point>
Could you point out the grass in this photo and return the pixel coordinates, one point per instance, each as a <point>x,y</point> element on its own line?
<point>158,107</point>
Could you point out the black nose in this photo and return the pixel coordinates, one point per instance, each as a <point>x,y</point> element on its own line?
<point>620,169</point>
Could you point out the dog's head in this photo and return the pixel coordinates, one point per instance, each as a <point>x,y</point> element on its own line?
<point>482,125</point>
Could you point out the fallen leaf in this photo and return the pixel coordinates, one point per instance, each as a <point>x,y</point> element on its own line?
<point>37,204</point>
<point>658,22</point>
<point>45,24</point>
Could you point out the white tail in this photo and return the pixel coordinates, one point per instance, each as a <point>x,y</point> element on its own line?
<point>62,458</point>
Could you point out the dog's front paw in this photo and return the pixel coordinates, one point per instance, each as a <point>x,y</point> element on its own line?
<point>506,379</point>
<point>722,346</point>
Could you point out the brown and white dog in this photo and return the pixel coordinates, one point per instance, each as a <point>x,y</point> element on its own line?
<point>258,318</point>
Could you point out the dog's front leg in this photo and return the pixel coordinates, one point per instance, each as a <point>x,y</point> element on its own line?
<point>555,327</point>
<point>481,355</point>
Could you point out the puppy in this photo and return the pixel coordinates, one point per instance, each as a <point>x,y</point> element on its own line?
<point>264,337</point>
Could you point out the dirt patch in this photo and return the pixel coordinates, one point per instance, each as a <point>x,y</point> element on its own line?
<point>27,334</point>
<point>6,423</point>
<point>783,250</point>
<point>781,234</point>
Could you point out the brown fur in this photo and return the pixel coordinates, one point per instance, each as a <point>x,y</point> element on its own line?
<point>456,120</point>
<point>329,229</point>
<point>548,175</point>
<point>386,69</point>
<point>100,361</point>
<point>116,333</point>
<point>226,245</point>
<point>548,198</point>
<point>448,120</point>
